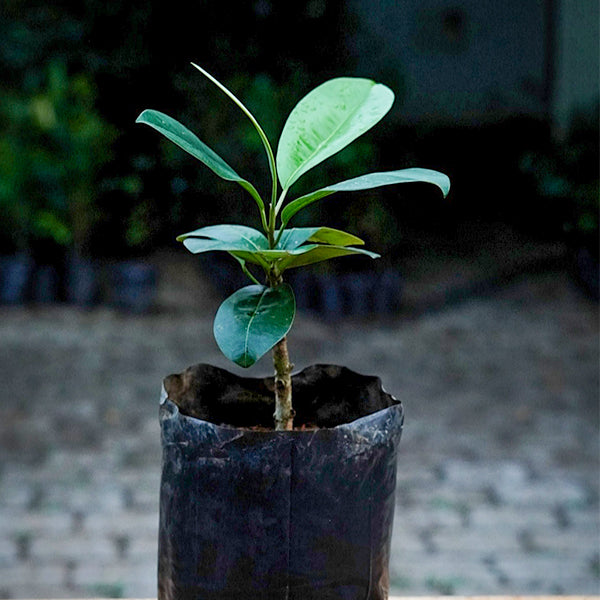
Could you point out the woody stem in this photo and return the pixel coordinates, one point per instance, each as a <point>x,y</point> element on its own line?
<point>284,413</point>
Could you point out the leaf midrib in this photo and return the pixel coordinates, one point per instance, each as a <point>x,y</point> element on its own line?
<point>251,242</point>
<point>254,313</point>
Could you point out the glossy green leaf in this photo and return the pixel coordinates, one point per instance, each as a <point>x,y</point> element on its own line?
<point>238,234</point>
<point>264,258</point>
<point>366,182</point>
<point>228,238</point>
<point>296,236</point>
<point>319,253</point>
<point>326,120</point>
<point>188,141</point>
<point>252,320</point>
<point>293,243</point>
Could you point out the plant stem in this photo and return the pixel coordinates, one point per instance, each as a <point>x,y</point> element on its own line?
<point>284,413</point>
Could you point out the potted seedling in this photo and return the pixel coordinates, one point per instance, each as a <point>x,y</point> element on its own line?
<point>264,495</point>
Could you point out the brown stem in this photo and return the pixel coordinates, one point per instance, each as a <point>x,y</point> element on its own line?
<point>284,413</point>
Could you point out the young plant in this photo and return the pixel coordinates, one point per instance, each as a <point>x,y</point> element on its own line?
<point>258,317</point>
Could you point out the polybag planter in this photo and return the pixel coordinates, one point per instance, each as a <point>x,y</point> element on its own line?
<point>297,515</point>
<point>15,276</point>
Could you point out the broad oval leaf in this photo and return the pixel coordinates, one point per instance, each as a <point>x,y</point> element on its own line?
<point>296,236</point>
<point>325,243</point>
<point>318,253</point>
<point>252,320</point>
<point>249,237</point>
<point>366,182</point>
<point>263,258</point>
<point>326,120</point>
<point>188,141</point>
<point>228,238</point>
<point>293,243</point>
<point>198,246</point>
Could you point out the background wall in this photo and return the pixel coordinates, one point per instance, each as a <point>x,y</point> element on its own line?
<point>463,61</point>
<point>576,66</point>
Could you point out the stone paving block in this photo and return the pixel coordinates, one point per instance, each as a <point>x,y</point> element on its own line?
<point>452,540</point>
<point>50,550</point>
<point>35,523</point>
<point>129,580</point>
<point>16,491</point>
<point>582,517</point>
<point>29,577</point>
<point>544,574</point>
<point>28,589</point>
<point>508,483</point>
<point>132,523</point>
<point>404,537</point>
<point>142,487</point>
<point>485,516</point>
<point>543,493</point>
<point>447,516</point>
<point>411,473</point>
<point>8,553</point>
<point>565,542</point>
<point>461,573</point>
<point>145,499</point>
<point>500,474</point>
<point>144,550</point>
<point>443,493</point>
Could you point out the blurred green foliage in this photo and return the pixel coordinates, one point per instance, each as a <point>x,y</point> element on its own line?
<point>77,74</point>
<point>53,144</point>
<point>111,60</point>
<point>566,176</point>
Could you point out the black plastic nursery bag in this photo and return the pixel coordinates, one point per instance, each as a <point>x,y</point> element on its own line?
<point>259,514</point>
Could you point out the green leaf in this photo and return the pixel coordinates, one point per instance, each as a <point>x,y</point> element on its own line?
<point>296,236</point>
<point>246,244</point>
<point>238,234</point>
<point>264,258</point>
<point>293,243</point>
<point>308,255</point>
<point>188,141</point>
<point>252,320</point>
<point>326,120</point>
<point>366,182</point>
<point>228,238</point>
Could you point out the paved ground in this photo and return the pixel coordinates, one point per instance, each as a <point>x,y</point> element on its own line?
<point>498,475</point>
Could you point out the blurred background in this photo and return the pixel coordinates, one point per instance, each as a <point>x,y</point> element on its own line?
<point>482,312</point>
